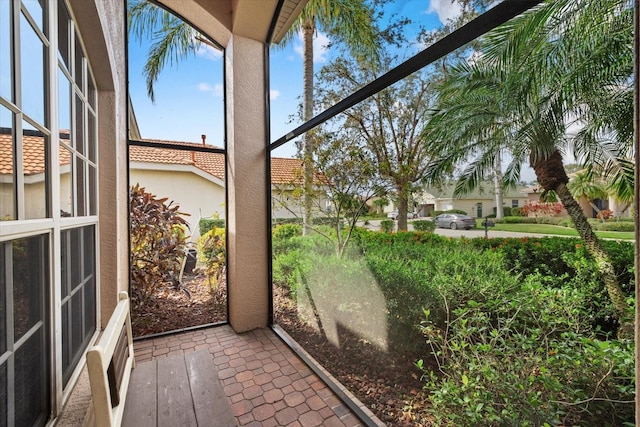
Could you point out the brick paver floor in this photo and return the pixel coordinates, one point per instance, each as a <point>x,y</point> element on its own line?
<point>267,384</point>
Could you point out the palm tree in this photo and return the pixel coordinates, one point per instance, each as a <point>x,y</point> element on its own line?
<point>174,39</point>
<point>536,76</point>
<point>582,185</point>
<point>351,21</point>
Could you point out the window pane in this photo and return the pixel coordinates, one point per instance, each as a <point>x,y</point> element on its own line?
<point>35,9</point>
<point>78,136</point>
<point>66,182</point>
<point>91,95</point>
<point>63,33</point>
<point>93,203</point>
<point>76,253</point>
<point>28,284</point>
<point>7,157</point>
<point>81,203</point>
<point>79,57</point>
<point>32,71</point>
<point>5,50</point>
<point>3,395</point>
<point>31,382</point>
<point>3,303</point>
<point>79,306</point>
<point>91,136</point>
<point>64,264</point>
<point>64,104</point>
<point>35,171</point>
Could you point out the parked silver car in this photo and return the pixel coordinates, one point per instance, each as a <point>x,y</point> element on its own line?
<point>394,215</point>
<point>455,221</point>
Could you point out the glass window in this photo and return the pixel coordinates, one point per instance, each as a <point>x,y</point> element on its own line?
<point>35,10</point>
<point>5,50</point>
<point>79,295</point>
<point>25,373</point>
<point>64,105</point>
<point>514,203</point>
<point>32,54</point>
<point>66,181</point>
<point>79,65</point>
<point>35,171</point>
<point>63,33</point>
<point>7,177</point>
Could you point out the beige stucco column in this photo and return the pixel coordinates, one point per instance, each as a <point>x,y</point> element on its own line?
<point>247,245</point>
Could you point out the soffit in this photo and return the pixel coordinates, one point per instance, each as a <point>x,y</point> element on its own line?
<point>248,18</point>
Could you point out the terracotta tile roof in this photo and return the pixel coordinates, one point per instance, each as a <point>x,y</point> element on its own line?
<point>211,163</point>
<point>34,153</point>
<point>283,170</point>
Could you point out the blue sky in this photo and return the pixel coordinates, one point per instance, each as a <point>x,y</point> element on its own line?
<point>189,99</point>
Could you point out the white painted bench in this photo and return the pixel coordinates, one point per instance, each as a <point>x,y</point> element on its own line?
<point>109,364</point>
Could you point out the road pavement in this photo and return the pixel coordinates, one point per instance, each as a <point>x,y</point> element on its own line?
<point>475,232</point>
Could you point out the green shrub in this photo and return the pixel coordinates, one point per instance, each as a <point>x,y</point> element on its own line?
<point>516,212</point>
<point>424,225</point>
<point>613,226</point>
<point>562,260</point>
<point>207,224</point>
<point>416,271</point>
<point>212,251</point>
<point>527,358</point>
<point>387,225</point>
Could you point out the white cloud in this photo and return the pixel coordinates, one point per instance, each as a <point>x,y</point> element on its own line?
<point>208,52</point>
<point>216,90</point>
<point>445,9</point>
<point>274,94</point>
<point>320,46</point>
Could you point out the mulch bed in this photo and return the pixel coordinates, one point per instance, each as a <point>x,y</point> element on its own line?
<point>389,384</point>
<point>171,309</point>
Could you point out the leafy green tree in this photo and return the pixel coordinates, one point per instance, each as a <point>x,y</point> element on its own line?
<point>389,124</point>
<point>532,79</point>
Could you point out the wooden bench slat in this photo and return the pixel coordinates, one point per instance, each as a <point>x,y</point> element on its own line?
<point>174,394</point>
<point>141,409</point>
<point>211,404</point>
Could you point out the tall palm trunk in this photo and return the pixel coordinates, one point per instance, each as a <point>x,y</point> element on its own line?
<point>307,114</point>
<point>552,176</point>
<point>497,183</point>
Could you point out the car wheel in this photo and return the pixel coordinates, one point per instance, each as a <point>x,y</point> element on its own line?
<point>453,226</point>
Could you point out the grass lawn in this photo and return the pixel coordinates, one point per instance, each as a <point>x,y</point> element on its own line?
<point>559,231</point>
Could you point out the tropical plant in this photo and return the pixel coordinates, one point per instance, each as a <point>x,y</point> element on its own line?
<point>583,184</point>
<point>492,103</point>
<point>157,243</point>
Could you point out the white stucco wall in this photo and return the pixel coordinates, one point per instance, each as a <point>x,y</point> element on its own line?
<point>196,195</point>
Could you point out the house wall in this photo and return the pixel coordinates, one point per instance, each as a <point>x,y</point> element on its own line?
<point>197,196</point>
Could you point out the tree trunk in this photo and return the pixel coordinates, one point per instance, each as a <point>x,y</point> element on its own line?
<point>552,176</point>
<point>497,182</point>
<point>307,139</point>
<point>402,211</point>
